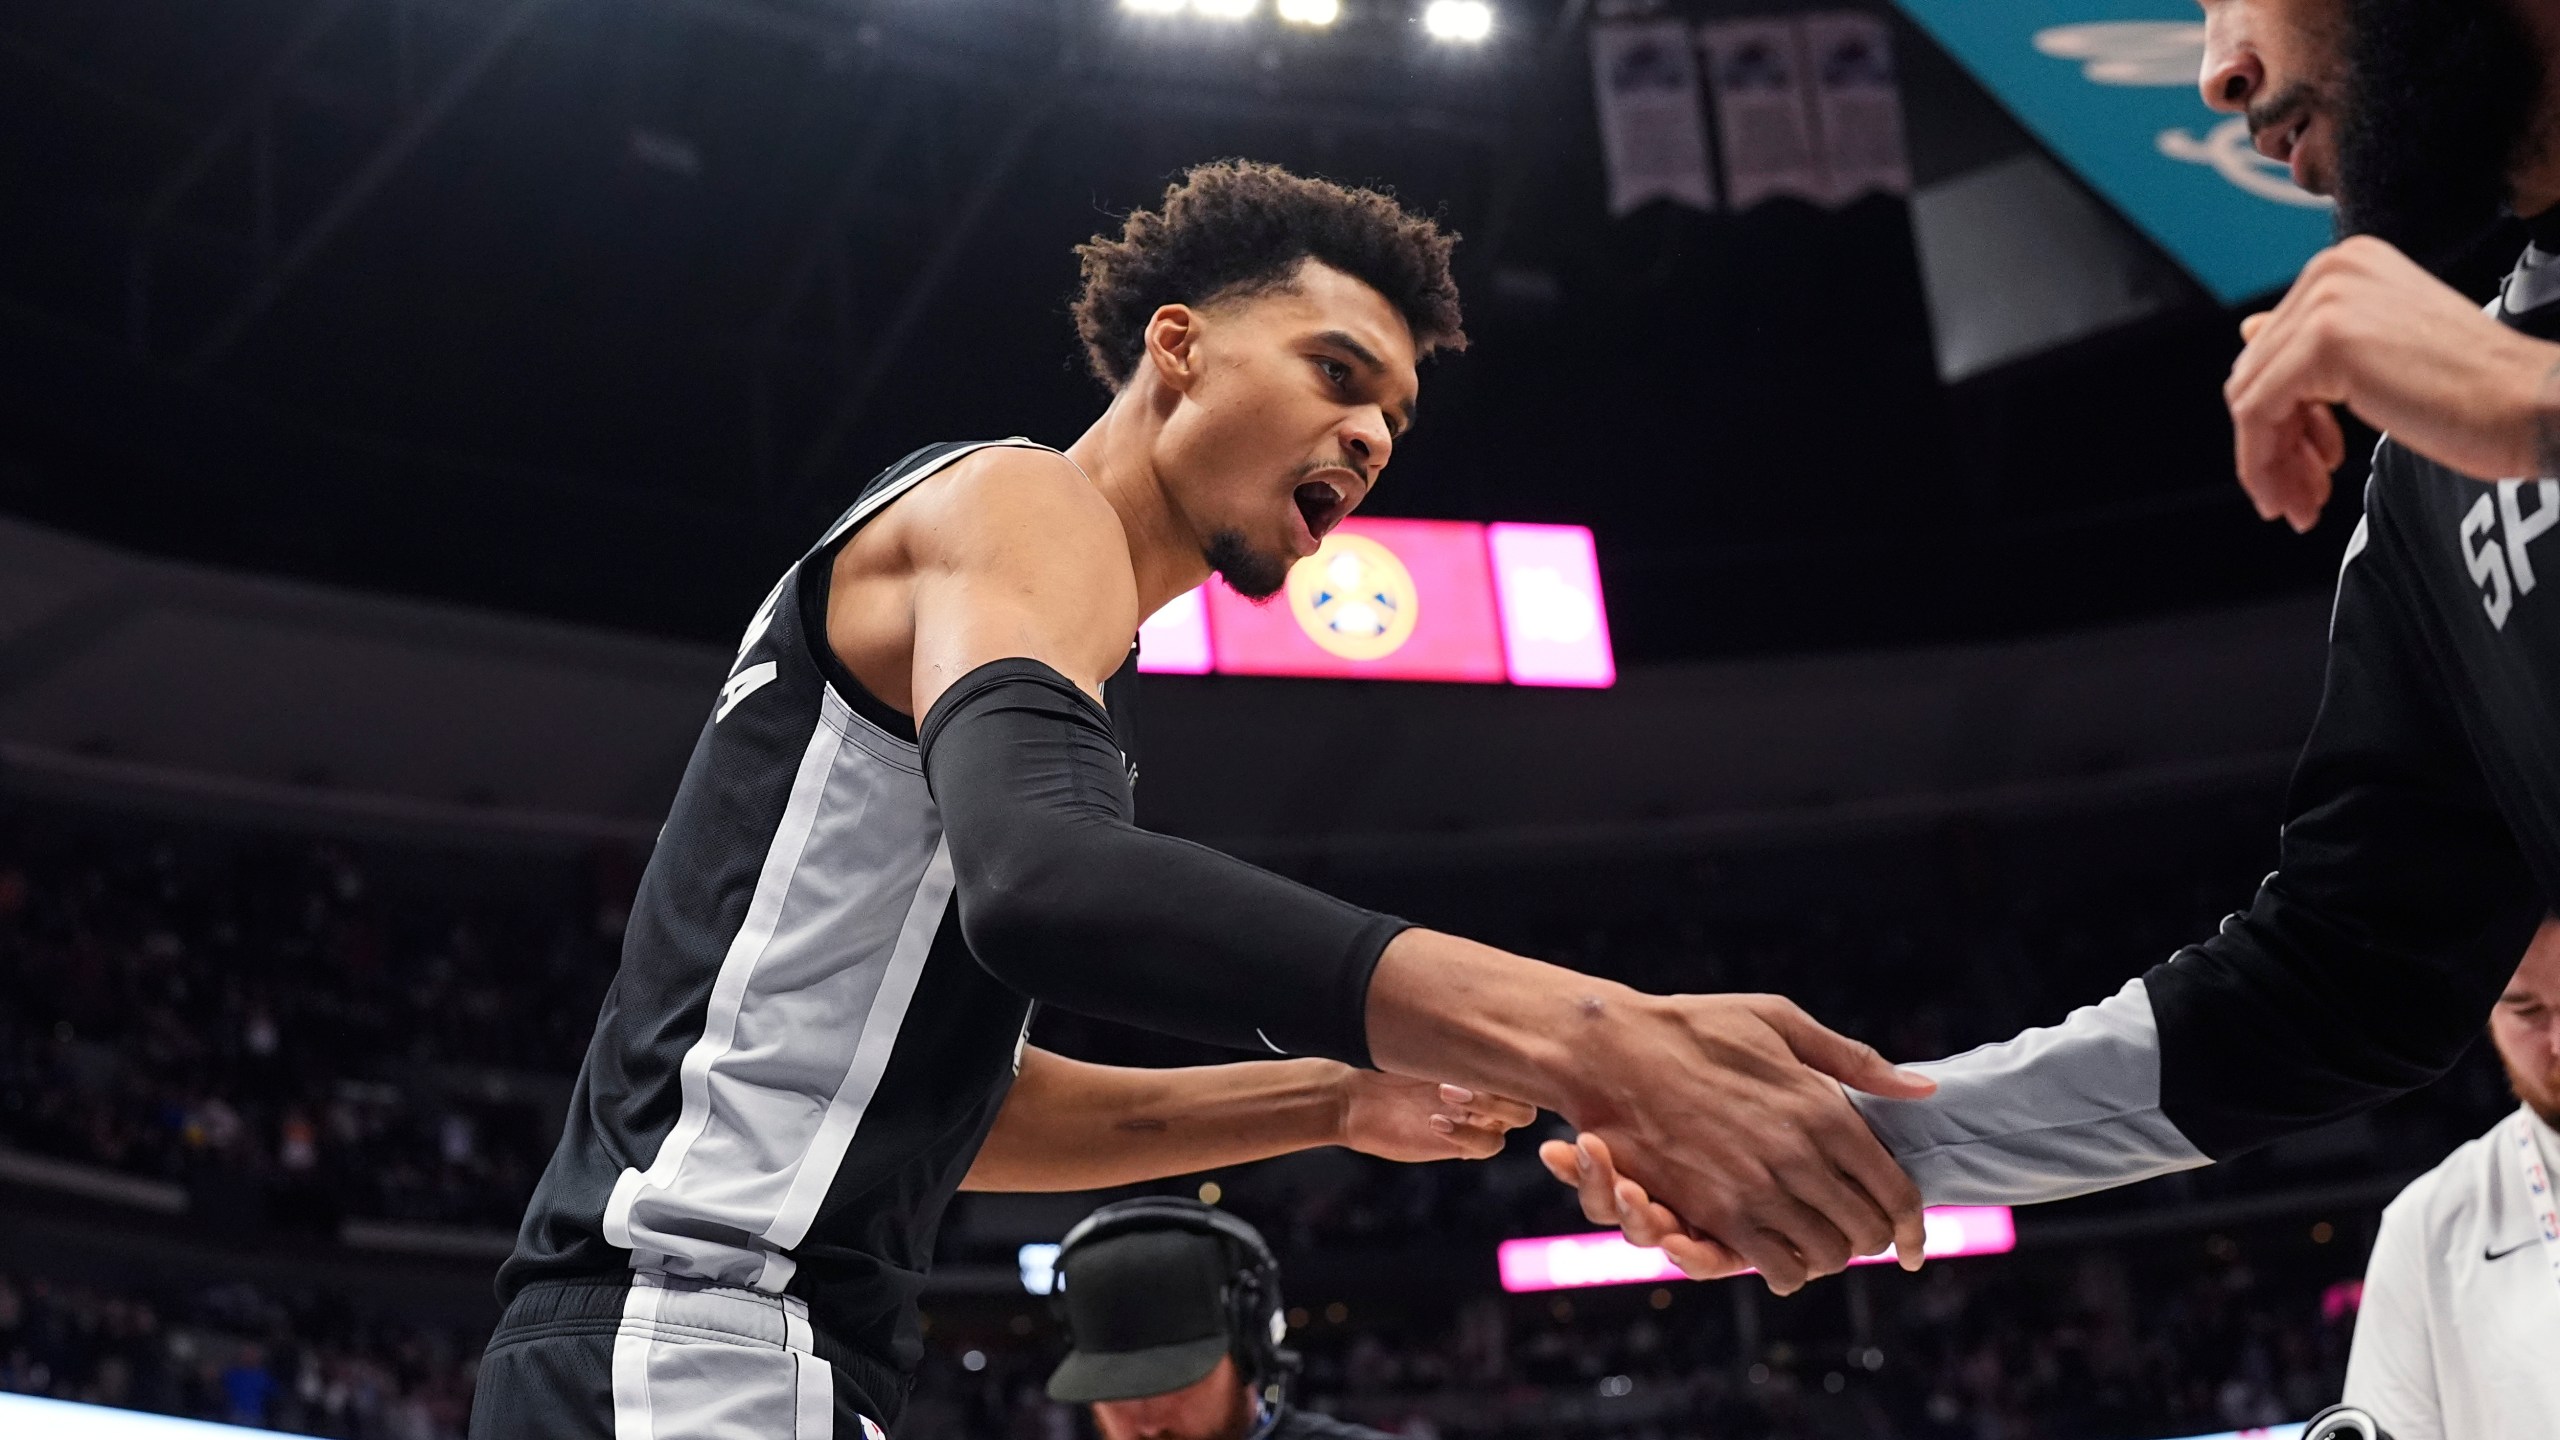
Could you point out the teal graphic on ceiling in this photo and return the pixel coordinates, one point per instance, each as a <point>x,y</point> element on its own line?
<point>2110,87</point>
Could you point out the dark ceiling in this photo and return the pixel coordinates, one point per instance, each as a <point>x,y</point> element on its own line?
<point>596,308</point>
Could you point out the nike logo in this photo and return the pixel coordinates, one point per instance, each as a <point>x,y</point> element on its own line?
<point>2503,1254</point>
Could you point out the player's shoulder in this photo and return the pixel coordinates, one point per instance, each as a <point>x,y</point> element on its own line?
<point>1018,479</point>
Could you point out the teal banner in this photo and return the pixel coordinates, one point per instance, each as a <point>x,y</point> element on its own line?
<point>2109,86</point>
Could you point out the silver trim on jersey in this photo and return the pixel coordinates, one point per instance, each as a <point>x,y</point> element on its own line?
<point>807,1004</point>
<point>692,1359</point>
<point>2053,1112</point>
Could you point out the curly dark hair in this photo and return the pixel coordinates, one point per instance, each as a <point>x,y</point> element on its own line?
<point>1235,227</point>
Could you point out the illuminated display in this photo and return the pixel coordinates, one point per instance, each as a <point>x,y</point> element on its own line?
<point>1572,1262</point>
<point>63,1420</point>
<point>1406,600</point>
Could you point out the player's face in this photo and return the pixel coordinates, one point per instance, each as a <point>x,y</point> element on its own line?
<point>2409,113</point>
<point>2283,63</point>
<point>2525,1026</point>
<point>1215,1407</point>
<point>1299,397</point>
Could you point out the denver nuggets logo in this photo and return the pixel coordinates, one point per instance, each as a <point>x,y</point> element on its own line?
<point>1354,598</point>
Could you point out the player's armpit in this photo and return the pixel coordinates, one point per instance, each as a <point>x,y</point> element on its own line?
<point>1017,555</point>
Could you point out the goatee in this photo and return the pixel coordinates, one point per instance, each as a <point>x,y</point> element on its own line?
<point>1253,574</point>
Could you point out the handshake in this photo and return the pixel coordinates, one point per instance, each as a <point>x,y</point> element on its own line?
<point>1791,1181</point>
<point>1717,1127</point>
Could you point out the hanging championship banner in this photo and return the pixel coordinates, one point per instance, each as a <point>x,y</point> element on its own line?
<point>1651,132</point>
<point>1857,105</point>
<point>1764,115</point>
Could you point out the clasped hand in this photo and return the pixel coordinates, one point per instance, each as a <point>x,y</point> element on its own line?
<point>1751,1139</point>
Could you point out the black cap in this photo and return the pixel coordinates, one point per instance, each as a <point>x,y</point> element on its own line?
<point>1147,1312</point>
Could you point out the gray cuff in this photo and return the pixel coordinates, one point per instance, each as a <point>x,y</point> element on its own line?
<point>2055,1112</point>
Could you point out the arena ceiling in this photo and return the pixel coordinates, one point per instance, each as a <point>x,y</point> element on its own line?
<point>595,308</point>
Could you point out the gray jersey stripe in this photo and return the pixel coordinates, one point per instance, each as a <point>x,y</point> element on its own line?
<point>2052,1113</point>
<point>729,990</point>
<point>888,1011</point>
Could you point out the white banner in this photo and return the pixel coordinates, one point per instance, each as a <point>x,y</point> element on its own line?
<point>1857,105</point>
<point>1764,115</point>
<point>1651,130</point>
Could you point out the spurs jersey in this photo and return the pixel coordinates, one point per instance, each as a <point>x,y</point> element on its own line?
<point>798,1058</point>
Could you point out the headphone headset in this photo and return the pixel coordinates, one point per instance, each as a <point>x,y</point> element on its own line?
<point>2344,1422</point>
<point>1255,1325</point>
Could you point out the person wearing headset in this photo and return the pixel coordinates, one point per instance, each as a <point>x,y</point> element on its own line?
<point>1173,1309</point>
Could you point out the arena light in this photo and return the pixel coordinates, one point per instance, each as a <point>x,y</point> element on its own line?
<point>1225,9</point>
<point>65,1420</point>
<point>1311,12</point>
<point>1573,1262</point>
<point>1459,20</point>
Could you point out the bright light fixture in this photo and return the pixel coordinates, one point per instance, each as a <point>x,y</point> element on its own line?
<point>1225,9</point>
<point>1310,12</point>
<point>1458,19</point>
<point>1152,7</point>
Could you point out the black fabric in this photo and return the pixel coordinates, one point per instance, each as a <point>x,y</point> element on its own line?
<point>2423,837</point>
<point>1062,897</point>
<point>548,1371</point>
<point>862,1262</point>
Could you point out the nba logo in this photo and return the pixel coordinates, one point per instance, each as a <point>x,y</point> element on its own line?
<point>871,1429</point>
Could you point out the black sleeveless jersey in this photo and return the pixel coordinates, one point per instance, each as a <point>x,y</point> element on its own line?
<point>798,1058</point>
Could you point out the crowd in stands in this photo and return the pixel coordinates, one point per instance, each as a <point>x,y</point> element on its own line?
<point>263,1021</point>
<point>2184,1335</point>
<point>235,1354</point>
<point>318,1030</point>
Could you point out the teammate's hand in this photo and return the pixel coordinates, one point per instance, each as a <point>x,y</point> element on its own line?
<point>2365,327</point>
<point>1609,1198</point>
<point>1394,1118</point>
<point>1729,1109</point>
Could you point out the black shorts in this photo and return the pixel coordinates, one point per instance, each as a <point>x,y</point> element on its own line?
<point>654,1357</point>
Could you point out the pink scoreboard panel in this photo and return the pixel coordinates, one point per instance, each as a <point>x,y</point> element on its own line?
<point>1406,600</point>
<point>1570,1262</point>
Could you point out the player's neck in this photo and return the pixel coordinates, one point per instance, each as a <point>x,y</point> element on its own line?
<point>1117,454</point>
<point>2534,186</point>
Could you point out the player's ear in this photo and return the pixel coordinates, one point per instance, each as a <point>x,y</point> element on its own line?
<point>1173,345</point>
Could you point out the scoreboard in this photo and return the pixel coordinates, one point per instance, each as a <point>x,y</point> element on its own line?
<point>1445,600</point>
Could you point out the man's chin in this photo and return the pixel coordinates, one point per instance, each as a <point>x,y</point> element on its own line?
<point>1257,575</point>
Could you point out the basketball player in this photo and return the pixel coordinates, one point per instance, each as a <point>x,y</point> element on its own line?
<point>907,822</point>
<point>2423,844</point>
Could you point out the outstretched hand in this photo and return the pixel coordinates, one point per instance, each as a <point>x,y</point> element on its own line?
<point>1395,1118</point>
<point>1769,1167</point>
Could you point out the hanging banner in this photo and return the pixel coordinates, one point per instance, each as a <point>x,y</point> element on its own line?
<point>1652,133</point>
<point>1857,105</point>
<point>1764,115</point>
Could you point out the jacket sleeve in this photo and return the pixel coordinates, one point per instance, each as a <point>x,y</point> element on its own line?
<point>2363,967</point>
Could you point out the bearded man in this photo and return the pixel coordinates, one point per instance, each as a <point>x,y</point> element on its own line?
<point>2421,848</point>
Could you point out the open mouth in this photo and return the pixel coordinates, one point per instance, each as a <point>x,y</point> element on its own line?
<point>1320,504</point>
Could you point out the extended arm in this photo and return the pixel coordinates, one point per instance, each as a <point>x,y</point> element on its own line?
<point>1023,604</point>
<point>1069,1125</point>
<point>2364,967</point>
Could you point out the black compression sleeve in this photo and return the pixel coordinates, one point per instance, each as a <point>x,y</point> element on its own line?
<point>1066,900</point>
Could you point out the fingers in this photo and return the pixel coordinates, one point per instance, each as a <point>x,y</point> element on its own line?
<point>1700,1258</point>
<point>1873,1170</point>
<point>2250,326</point>
<point>1566,1163</point>
<point>1853,1063</point>
<point>1501,1110</point>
